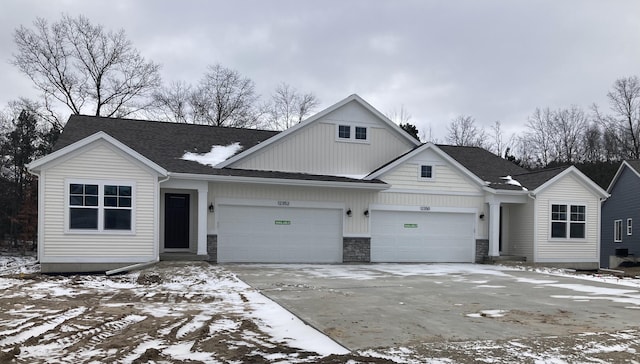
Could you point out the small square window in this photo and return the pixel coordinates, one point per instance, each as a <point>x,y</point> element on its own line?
<point>344,132</point>
<point>361,133</point>
<point>426,172</point>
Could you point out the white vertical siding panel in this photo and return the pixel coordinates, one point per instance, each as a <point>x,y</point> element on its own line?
<point>521,230</point>
<point>569,191</point>
<point>98,163</point>
<point>314,149</point>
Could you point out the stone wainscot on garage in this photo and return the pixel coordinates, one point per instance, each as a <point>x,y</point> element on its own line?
<point>345,185</point>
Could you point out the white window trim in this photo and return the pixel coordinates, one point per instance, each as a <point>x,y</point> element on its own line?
<point>427,179</point>
<point>568,221</point>
<point>352,133</point>
<point>616,223</point>
<point>100,230</point>
<point>629,226</point>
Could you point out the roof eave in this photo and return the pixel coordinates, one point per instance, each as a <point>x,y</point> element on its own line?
<point>282,181</point>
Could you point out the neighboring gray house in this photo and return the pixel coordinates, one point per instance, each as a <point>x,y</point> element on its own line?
<point>620,238</point>
<point>345,185</point>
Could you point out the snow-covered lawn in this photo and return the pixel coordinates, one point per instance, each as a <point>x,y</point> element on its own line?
<point>201,313</point>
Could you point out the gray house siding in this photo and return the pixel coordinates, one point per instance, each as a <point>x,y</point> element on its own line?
<point>623,204</point>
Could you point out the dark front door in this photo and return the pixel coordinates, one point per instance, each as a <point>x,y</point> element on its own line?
<point>176,221</point>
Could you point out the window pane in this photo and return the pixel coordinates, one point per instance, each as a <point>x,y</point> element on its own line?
<point>425,171</point>
<point>558,229</point>
<point>91,201</point>
<point>117,219</point>
<point>76,189</point>
<point>578,213</point>
<point>124,202</point>
<point>83,218</point>
<point>75,200</point>
<point>110,190</point>
<point>361,133</point>
<point>91,189</point>
<point>344,131</point>
<point>576,231</point>
<point>124,190</point>
<point>617,230</point>
<point>111,201</point>
<point>558,212</point>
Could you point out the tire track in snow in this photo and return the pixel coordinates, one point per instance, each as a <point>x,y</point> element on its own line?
<point>51,323</point>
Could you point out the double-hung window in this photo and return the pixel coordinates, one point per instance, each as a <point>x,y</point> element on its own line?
<point>568,221</point>
<point>100,206</point>
<point>426,172</point>
<point>629,227</point>
<point>352,133</point>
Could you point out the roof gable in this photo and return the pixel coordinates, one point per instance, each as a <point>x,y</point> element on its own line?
<point>319,116</point>
<point>581,177</point>
<point>631,165</point>
<point>68,150</point>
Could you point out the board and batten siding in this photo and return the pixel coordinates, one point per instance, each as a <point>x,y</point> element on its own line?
<point>99,162</point>
<point>567,190</point>
<point>315,148</point>
<point>356,200</point>
<point>521,229</point>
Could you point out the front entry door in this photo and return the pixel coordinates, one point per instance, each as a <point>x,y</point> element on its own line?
<point>176,221</point>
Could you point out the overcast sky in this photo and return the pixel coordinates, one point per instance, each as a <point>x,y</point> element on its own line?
<point>493,60</point>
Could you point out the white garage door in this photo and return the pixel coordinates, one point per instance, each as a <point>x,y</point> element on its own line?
<point>258,234</point>
<point>405,236</point>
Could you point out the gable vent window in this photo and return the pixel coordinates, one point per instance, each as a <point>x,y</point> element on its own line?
<point>568,221</point>
<point>426,172</point>
<point>100,207</point>
<point>344,132</point>
<point>352,133</point>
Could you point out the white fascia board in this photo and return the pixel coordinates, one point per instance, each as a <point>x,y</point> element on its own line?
<point>312,119</point>
<point>439,152</point>
<point>40,163</point>
<point>586,181</point>
<point>282,181</point>
<point>619,172</point>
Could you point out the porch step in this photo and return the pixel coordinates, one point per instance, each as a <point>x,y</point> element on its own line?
<point>504,259</point>
<point>177,256</point>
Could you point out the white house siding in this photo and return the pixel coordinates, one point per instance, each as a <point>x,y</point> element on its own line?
<point>519,240</point>
<point>568,191</point>
<point>98,162</point>
<point>315,148</point>
<point>356,200</point>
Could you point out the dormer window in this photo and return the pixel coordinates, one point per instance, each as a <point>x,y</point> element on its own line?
<point>352,133</point>
<point>426,172</point>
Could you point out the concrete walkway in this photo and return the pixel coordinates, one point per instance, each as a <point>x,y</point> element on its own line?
<point>384,305</point>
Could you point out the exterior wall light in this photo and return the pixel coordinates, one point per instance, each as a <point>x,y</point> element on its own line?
<point>482,216</point>
<point>349,212</point>
<point>211,208</point>
<point>366,213</point>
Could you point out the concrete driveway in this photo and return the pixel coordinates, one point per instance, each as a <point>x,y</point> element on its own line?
<point>383,305</point>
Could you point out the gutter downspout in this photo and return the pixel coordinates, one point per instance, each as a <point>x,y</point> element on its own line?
<point>40,224</point>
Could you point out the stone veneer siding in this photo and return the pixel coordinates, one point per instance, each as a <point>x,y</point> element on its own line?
<point>356,250</point>
<point>212,247</point>
<point>482,249</point>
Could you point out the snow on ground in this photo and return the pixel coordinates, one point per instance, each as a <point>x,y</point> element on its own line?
<point>198,312</point>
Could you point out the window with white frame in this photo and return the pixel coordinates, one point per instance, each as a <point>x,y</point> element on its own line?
<point>100,206</point>
<point>352,133</point>
<point>629,227</point>
<point>617,231</point>
<point>426,172</point>
<point>568,221</point>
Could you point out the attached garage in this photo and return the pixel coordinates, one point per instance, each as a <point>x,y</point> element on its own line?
<point>282,234</point>
<point>422,236</point>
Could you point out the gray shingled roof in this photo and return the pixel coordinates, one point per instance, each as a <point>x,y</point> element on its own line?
<point>165,144</point>
<point>634,163</point>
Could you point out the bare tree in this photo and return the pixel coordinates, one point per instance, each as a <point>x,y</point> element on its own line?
<point>537,141</point>
<point>288,107</point>
<point>464,132</point>
<point>624,124</point>
<point>85,67</point>
<point>592,142</point>
<point>401,116</point>
<point>173,103</point>
<point>567,130</point>
<point>225,98</point>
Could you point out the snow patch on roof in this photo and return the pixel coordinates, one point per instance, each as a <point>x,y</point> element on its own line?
<point>510,181</point>
<point>218,154</point>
